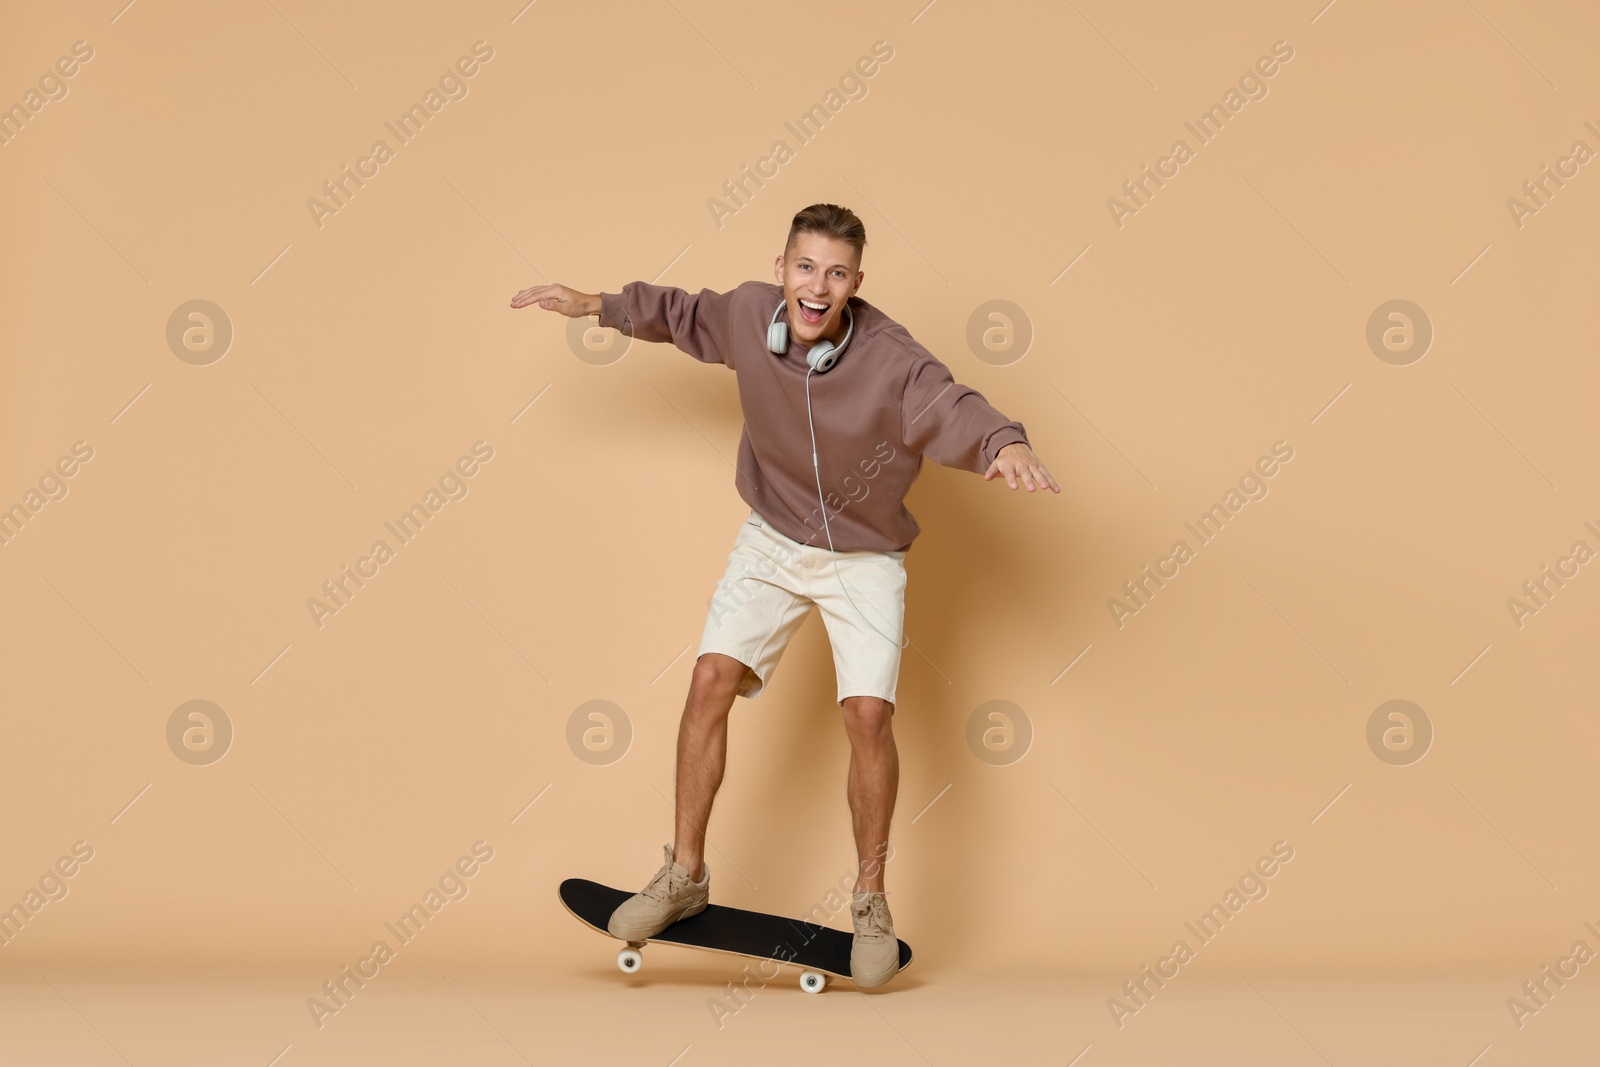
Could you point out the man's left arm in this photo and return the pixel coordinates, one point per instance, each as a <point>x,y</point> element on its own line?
<point>955,426</point>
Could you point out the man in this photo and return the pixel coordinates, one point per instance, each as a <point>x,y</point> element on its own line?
<point>825,461</point>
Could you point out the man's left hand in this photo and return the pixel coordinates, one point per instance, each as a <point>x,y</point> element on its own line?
<point>1016,462</point>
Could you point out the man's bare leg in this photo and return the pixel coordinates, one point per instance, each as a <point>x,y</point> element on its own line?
<point>874,781</point>
<point>702,753</point>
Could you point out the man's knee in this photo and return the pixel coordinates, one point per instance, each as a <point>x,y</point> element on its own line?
<point>867,717</point>
<point>716,675</point>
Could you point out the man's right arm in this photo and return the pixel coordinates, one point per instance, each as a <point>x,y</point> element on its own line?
<point>697,323</point>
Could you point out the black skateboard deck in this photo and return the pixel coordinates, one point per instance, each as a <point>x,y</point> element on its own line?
<point>718,929</point>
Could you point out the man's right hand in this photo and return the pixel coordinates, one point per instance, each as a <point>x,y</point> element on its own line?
<point>557,297</point>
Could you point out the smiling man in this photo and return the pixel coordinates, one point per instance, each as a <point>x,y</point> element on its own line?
<point>840,407</point>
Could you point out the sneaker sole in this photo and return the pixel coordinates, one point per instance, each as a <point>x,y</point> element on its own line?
<point>873,981</point>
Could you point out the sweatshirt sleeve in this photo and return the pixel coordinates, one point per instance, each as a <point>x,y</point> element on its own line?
<point>696,323</point>
<point>951,424</point>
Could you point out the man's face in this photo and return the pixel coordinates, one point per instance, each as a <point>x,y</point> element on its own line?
<point>821,272</point>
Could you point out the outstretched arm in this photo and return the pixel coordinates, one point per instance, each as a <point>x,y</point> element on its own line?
<point>1017,462</point>
<point>952,424</point>
<point>697,323</point>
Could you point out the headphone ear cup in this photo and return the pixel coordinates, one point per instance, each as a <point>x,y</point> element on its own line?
<point>778,338</point>
<point>825,354</point>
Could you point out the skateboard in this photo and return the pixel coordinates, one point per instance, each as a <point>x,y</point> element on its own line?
<point>819,951</point>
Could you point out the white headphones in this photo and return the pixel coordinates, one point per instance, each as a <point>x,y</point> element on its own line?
<point>821,356</point>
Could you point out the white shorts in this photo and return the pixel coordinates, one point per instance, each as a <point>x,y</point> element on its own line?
<point>768,590</point>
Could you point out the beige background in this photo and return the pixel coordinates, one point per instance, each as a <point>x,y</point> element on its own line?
<point>370,353</point>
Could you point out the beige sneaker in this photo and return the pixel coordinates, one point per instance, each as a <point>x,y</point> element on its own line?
<point>670,896</point>
<point>875,952</point>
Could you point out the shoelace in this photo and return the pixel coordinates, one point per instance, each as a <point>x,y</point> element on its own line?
<point>665,882</point>
<point>872,919</point>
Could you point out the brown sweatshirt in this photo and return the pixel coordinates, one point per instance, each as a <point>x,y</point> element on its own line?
<point>887,403</point>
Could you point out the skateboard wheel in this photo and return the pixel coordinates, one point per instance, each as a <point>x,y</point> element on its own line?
<point>812,982</point>
<point>629,961</point>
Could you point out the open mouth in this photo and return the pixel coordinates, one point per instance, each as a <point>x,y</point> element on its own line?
<point>812,311</point>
